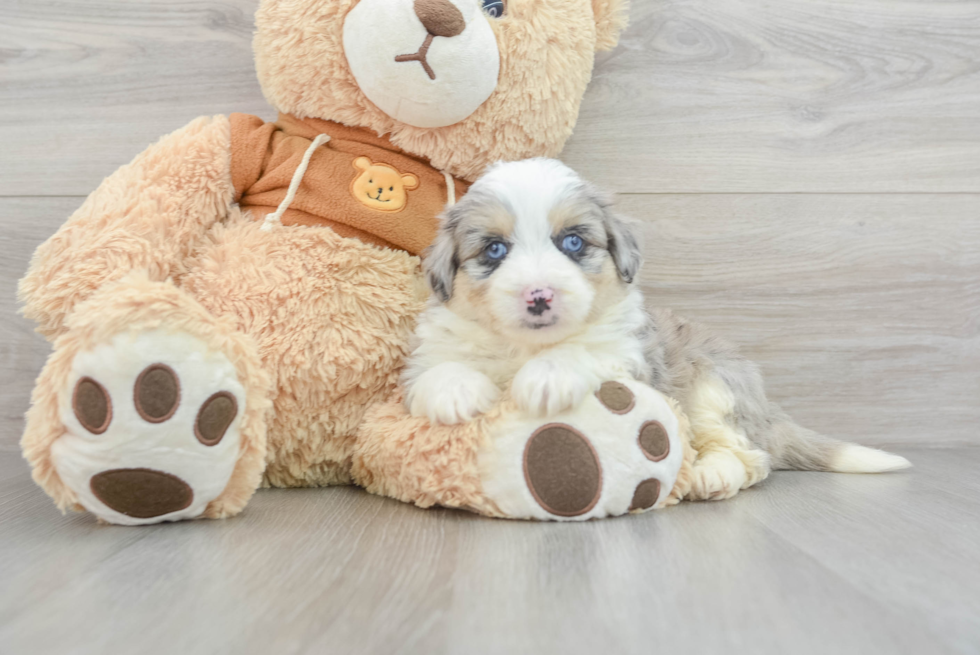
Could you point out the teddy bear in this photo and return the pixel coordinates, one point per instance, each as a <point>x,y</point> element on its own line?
<point>232,308</point>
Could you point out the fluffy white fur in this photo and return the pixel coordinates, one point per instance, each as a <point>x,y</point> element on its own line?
<point>484,340</point>
<point>549,325</point>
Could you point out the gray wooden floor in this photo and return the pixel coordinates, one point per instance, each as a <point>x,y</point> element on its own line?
<point>805,563</point>
<point>808,177</point>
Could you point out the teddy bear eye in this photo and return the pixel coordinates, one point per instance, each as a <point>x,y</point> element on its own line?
<point>391,188</point>
<point>495,8</point>
<point>370,181</point>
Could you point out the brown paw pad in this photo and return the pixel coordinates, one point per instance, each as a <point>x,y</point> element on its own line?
<point>141,493</point>
<point>646,494</point>
<point>654,441</point>
<point>214,417</point>
<point>92,405</point>
<point>157,393</point>
<point>562,470</point>
<point>616,397</point>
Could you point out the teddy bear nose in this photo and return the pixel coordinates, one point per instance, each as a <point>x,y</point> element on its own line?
<point>440,17</point>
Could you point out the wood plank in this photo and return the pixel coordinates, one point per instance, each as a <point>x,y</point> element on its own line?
<point>866,324</point>
<point>846,522</point>
<point>86,86</point>
<point>789,96</point>
<point>27,223</point>
<point>728,95</point>
<point>805,563</point>
<point>862,310</point>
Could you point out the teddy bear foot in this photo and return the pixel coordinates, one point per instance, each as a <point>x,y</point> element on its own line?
<point>152,427</point>
<point>618,452</point>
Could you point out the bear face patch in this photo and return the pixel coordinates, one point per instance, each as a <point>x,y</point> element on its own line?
<point>380,186</point>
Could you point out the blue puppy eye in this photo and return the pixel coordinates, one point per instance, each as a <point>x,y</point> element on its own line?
<point>495,8</point>
<point>572,243</point>
<point>496,250</point>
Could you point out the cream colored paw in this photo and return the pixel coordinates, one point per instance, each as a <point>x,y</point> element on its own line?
<point>717,475</point>
<point>451,393</point>
<point>545,387</point>
<point>152,427</point>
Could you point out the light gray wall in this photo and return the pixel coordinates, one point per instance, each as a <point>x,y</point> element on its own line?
<point>808,174</point>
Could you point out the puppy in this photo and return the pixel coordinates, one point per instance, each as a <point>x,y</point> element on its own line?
<point>533,281</point>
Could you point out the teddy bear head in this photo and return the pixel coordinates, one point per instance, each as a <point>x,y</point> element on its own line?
<point>463,83</point>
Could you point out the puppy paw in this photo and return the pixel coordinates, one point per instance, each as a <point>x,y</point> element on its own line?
<point>545,387</point>
<point>451,393</point>
<point>717,475</point>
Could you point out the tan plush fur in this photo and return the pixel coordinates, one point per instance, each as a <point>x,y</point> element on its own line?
<point>331,318</point>
<point>611,17</point>
<point>546,48</point>
<point>409,459</point>
<point>150,214</point>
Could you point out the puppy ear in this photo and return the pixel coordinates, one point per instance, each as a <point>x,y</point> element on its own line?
<point>611,17</point>
<point>623,241</point>
<point>440,261</point>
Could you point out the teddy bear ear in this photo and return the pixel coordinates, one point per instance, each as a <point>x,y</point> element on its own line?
<point>362,163</point>
<point>410,181</point>
<point>611,17</point>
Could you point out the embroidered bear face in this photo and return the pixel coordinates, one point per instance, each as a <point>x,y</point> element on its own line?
<point>380,186</point>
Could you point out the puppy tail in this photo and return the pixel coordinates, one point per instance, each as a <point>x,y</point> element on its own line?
<point>852,458</point>
<point>794,447</point>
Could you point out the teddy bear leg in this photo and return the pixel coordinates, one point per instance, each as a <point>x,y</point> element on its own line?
<point>149,409</point>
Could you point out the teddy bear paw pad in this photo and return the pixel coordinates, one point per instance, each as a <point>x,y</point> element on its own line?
<point>617,452</point>
<point>151,427</point>
<point>654,441</point>
<point>141,493</point>
<point>562,470</point>
<point>646,495</point>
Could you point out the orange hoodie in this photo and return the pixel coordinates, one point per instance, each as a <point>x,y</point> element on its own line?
<point>358,184</point>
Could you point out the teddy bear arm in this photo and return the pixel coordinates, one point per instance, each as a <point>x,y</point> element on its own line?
<point>148,215</point>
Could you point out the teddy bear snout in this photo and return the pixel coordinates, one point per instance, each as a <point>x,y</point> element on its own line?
<point>426,63</point>
<point>440,17</point>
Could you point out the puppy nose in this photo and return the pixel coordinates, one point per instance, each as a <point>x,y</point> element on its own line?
<point>538,299</point>
<point>440,17</point>
<point>533,294</point>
